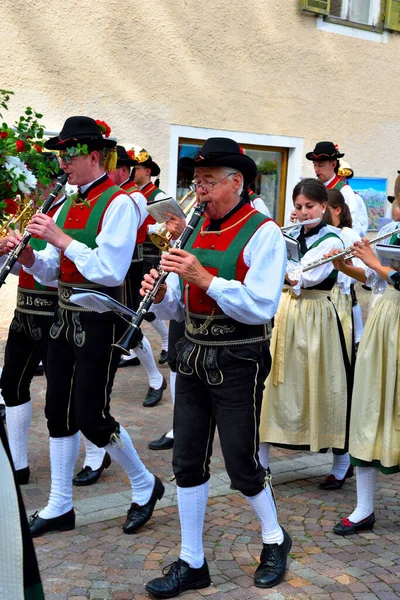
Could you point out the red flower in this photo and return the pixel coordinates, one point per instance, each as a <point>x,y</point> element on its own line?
<point>12,206</point>
<point>3,135</point>
<point>104,128</point>
<point>38,148</point>
<point>131,154</point>
<point>20,145</point>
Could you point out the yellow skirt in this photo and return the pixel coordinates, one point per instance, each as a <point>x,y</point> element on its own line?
<point>343,304</point>
<point>305,398</point>
<point>375,417</point>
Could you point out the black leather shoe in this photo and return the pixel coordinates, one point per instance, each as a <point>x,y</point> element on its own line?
<point>88,476</point>
<point>139,515</point>
<point>331,483</point>
<point>346,527</point>
<point>153,396</point>
<point>178,578</point>
<point>273,559</point>
<point>163,443</point>
<point>2,412</point>
<point>130,362</point>
<point>23,475</point>
<point>39,526</point>
<point>163,357</point>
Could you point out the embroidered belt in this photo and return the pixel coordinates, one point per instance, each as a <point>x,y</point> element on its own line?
<point>65,291</point>
<point>221,330</point>
<point>38,302</point>
<point>137,253</point>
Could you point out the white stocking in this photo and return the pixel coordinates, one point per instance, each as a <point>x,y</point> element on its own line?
<point>263,454</point>
<point>124,453</point>
<point>128,356</point>
<point>19,420</point>
<point>192,503</point>
<point>341,464</point>
<point>366,481</point>
<point>172,385</point>
<point>358,323</point>
<point>63,455</point>
<point>162,330</point>
<point>264,506</point>
<point>94,455</point>
<point>145,355</point>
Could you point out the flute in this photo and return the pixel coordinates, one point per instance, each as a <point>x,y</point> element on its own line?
<point>299,224</point>
<point>133,334</point>
<point>14,255</point>
<point>347,253</point>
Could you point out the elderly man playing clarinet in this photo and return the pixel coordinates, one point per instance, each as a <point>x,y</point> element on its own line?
<point>230,279</point>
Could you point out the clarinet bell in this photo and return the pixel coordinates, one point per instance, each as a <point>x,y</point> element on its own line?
<point>131,338</point>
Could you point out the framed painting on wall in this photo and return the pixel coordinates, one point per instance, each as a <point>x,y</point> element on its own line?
<point>373,191</point>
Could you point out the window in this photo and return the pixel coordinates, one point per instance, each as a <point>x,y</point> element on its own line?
<point>367,14</point>
<point>270,183</point>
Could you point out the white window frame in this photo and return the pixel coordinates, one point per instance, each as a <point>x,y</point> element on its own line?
<point>293,144</point>
<point>374,11</point>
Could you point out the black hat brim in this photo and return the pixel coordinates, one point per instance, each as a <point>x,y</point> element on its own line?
<point>55,143</point>
<point>241,162</point>
<point>322,157</point>
<point>126,163</point>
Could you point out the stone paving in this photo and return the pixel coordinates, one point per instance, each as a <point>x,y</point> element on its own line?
<point>97,561</point>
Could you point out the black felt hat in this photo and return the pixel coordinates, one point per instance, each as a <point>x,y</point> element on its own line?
<point>123,158</point>
<point>391,199</point>
<point>144,160</point>
<point>222,152</point>
<point>79,130</point>
<point>324,151</point>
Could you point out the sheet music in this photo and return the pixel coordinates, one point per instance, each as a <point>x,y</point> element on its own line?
<point>388,254</point>
<point>99,302</point>
<point>159,208</point>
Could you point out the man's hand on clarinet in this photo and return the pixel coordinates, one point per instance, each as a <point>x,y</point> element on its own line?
<point>43,226</point>
<point>148,285</point>
<point>186,266</point>
<point>7,243</point>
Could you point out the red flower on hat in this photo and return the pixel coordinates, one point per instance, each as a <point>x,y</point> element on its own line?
<point>241,150</point>
<point>20,145</point>
<point>336,147</point>
<point>131,154</point>
<point>3,135</point>
<point>11,206</point>
<point>104,128</point>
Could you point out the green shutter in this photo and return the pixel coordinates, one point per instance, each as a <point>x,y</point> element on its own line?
<point>392,17</point>
<point>320,7</point>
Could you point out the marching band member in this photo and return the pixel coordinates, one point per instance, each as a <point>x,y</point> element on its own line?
<point>91,246</point>
<point>306,399</point>
<point>223,359</point>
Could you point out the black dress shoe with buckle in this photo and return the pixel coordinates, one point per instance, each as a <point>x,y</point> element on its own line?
<point>2,412</point>
<point>129,362</point>
<point>163,357</point>
<point>153,396</point>
<point>22,475</point>
<point>139,515</point>
<point>88,476</point>
<point>273,561</point>
<point>178,578</point>
<point>163,443</point>
<point>331,483</point>
<point>39,526</point>
<point>347,527</point>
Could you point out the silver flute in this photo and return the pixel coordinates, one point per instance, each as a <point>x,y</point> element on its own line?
<point>347,253</point>
<point>299,224</point>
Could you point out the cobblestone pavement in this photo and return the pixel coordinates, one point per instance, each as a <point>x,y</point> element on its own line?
<point>97,561</point>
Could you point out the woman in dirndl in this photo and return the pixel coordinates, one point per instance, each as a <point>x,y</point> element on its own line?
<point>306,403</point>
<point>375,417</point>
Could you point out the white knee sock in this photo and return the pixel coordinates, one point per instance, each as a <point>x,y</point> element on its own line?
<point>192,503</point>
<point>358,323</point>
<point>366,481</point>
<point>128,356</point>
<point>172,385</point>
<point>341,464</point>
<point>19,420</point>
<point>263,454</point>
<point>63,455</point>
<point>145,355</point>
<point>162,330</point>
<point>264,506</point>
<point>124,453</point>
<point>94,455</point>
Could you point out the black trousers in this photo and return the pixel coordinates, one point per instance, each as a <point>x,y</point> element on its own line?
<point>26,346</point>
<point>80,373</point>
<point>176,332</point>
<point>219,387</point>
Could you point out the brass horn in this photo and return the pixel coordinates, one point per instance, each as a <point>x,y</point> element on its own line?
<point>162,237</point>
<point>13,220</point>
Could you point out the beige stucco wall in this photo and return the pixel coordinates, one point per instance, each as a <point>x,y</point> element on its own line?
<point>257,66</point>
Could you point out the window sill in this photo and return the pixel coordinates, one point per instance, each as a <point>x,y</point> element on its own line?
<point>352,31</point>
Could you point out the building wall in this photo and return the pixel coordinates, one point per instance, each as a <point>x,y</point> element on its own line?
<point>259,66</point>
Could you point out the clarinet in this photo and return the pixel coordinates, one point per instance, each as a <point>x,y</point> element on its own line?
<point>133,335</point>
<point>12,258</point>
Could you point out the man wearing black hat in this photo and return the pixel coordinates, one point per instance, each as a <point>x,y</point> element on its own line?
<point>90,246</point>
<point>325,158</point>
<point>231,275</point>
